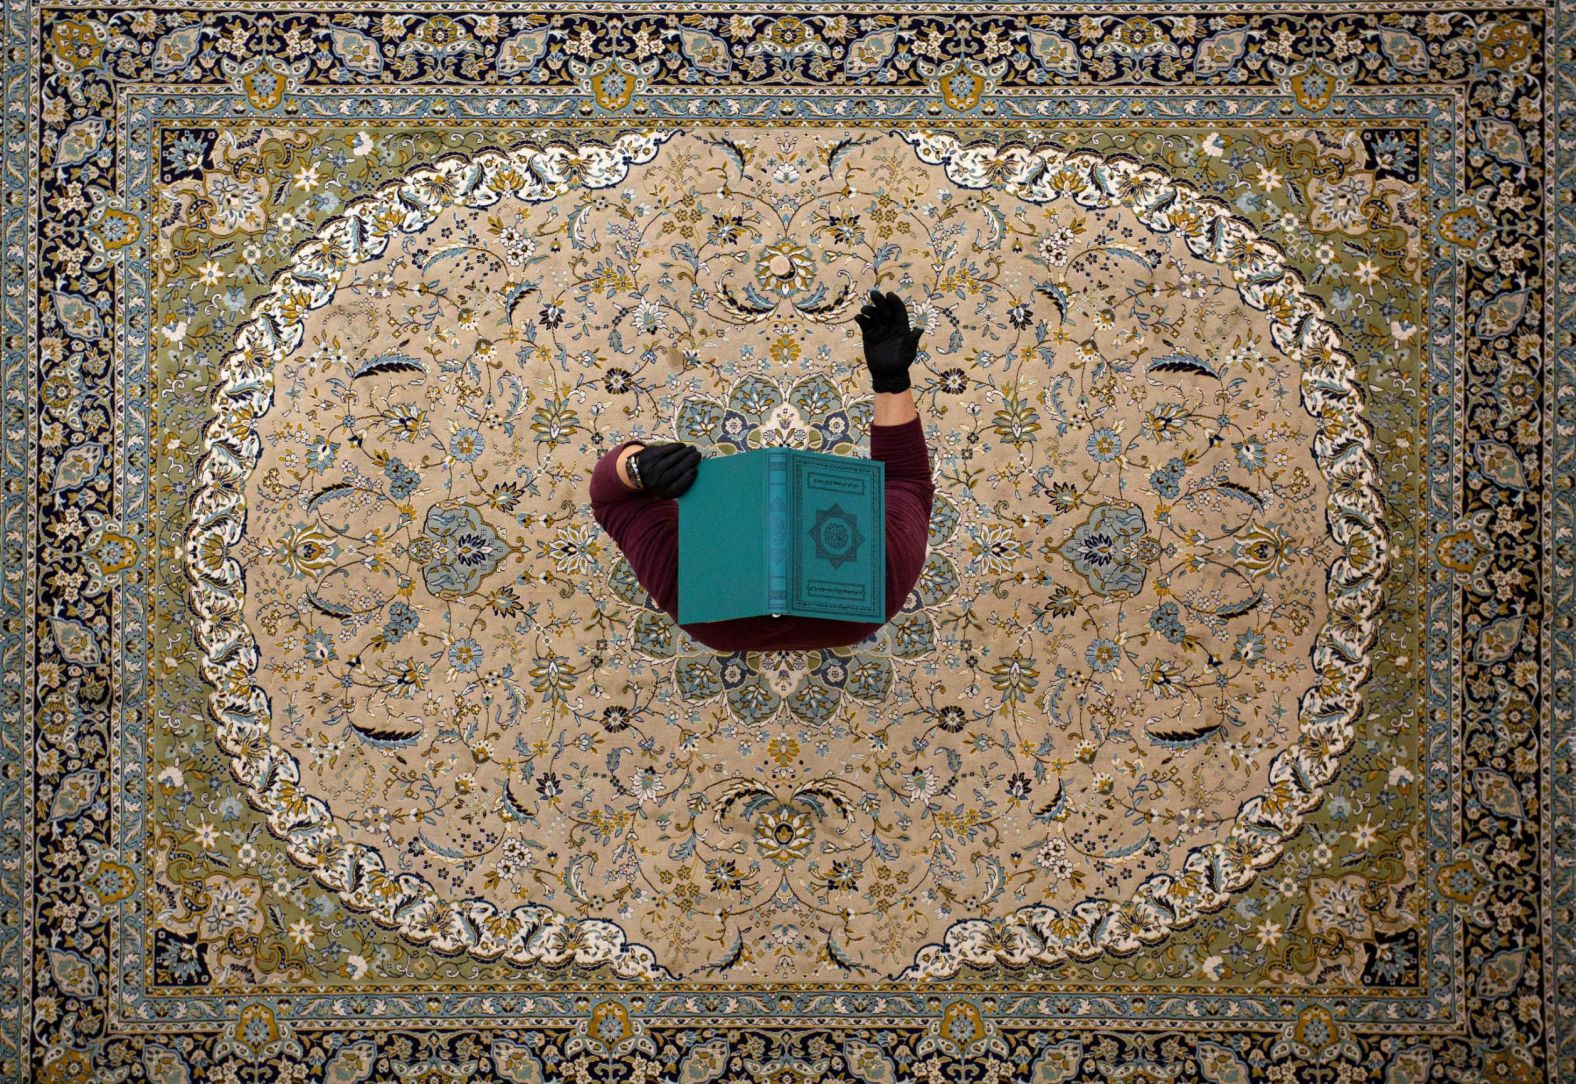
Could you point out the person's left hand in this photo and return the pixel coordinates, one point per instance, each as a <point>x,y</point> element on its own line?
<point>667,470</point>
<point>890,344</point>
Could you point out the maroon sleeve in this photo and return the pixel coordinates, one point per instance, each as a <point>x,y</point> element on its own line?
<point>645,528</point>
<point>909,492</point>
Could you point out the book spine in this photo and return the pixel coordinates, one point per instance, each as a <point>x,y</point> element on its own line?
<point>777,531</point>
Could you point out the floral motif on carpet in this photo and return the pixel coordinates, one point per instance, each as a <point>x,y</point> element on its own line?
<point>1222,737</point>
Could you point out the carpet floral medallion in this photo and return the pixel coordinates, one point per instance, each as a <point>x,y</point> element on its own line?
<point>1224,737</point>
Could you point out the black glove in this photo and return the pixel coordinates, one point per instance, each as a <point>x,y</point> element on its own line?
<point>889,344</point>
<point>665,470</point>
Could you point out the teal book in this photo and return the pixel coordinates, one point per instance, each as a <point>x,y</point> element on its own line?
<point>783,531</point>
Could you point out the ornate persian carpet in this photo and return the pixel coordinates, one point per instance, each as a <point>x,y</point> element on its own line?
<point>1225,737</point>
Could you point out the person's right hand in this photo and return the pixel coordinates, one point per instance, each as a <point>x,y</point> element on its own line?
<point>890,345</point>
<point>667,470</point>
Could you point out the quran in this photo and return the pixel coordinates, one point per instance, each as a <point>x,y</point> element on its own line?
<point>783,532</point>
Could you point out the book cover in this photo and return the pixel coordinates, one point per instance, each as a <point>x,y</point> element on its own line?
<point>783,531</point>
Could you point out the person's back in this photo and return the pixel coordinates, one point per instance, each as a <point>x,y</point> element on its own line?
<point>634,487</point>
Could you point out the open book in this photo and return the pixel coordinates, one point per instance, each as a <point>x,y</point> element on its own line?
<point>783,532</point>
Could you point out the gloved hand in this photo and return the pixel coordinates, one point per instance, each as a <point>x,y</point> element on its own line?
<point>665,470</point>
<point>890,345</point>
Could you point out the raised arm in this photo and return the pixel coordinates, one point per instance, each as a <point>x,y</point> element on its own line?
<point>897,438</point>
<point>910,491</point>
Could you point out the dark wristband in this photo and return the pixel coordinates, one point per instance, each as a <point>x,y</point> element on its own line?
<point>891,382</point>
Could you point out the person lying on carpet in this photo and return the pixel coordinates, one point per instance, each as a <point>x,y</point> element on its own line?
<point>634,487</point>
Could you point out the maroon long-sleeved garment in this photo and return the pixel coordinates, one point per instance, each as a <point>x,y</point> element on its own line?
<point>646,528</point>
